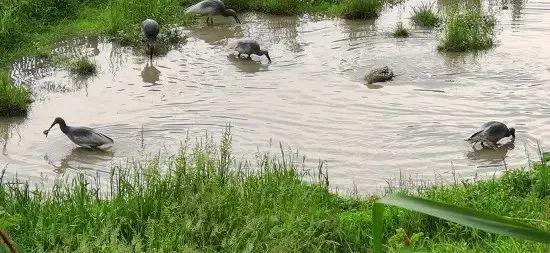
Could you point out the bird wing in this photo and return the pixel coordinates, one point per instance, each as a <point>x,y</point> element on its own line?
<point>477,136</point>
<point>242,47</point>
<point>206,7</point>
<point>89,137</point>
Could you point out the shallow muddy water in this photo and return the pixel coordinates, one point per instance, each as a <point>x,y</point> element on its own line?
<point>311,98</point>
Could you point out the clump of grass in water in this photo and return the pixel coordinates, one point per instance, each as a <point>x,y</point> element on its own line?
<point>83,67</point>
<point>14,99</point>
<point>360,9</point>
<point>467,30</point>
<point>400,31</point>
<point>425,16</point>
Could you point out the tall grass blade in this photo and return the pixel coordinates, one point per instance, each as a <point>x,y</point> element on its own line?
<point>465,216</point>
<point>378,226</point>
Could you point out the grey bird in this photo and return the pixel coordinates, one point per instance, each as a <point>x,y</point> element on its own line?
<point>490,133</point>
<point>81,136</point>
<point>211,8</point>
<point>150,29</point>
<point>250,47</point>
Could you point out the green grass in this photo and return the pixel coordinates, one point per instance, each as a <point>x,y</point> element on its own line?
<point>360,9</point>
<point>83,67</point>
<point>202,200</point>
<point>424,15</point>
<point>466,31</point>
<point>14,99</point>
<point>400,31</point>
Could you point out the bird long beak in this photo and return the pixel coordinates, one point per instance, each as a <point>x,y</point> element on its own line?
<point>237,19</point>
<point>268,58</point>
<point>47,131</point>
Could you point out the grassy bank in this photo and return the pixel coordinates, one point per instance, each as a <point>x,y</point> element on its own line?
<point>202,201</point>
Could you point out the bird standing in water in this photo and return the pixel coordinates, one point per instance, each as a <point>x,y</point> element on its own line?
<point>150,29</point>
<point>250,47</point>
<point>211,8</point>
<point>81,136</point>
<point>490,133</point>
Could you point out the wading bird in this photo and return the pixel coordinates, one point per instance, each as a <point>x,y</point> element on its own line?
<point>81,136</point>
<point>250,47</point>
<point>490,133</point>
<point>150,30</point>
<point>211,8</point>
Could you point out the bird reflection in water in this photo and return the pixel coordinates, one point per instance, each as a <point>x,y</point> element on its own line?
<point>79,158</point>
<point>247,66</point>
<point>150,74</point>
<point>492,156</point>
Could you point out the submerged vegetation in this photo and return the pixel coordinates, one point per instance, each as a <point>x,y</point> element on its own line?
<point>400,31</point>
<point>425,15</point>
<point>83,67</point>
<point>467,30</point>
<point>14,99</point>
<point>202,200</point>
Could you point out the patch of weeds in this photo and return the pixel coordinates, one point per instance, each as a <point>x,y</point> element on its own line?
<point>400,31</point>
<point>14,99</point>
<point>360,9</point>
<point>426,16</point>
<point>83,67</point>
<point>467,30</point>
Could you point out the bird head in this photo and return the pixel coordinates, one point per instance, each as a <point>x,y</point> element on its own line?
<point>266,53</point>
<point>230,12</point>
<point>57,120</point>
<point>512,132</point>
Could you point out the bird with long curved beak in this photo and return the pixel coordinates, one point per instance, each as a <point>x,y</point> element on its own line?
<point>250,47</point>
<point>81,136</point>
<point>211,8</point>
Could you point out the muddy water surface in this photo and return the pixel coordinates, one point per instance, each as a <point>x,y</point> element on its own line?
<point>311,98</point>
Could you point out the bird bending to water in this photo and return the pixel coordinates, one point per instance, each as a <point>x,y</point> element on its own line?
<point>491,132</point>
<point>150,30</point>
<point>250,47</point>
<point>81,136</point>
<point>211,8</point>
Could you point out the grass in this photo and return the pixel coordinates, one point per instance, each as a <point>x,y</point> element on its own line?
<point>83,67</point>
<point>424,15</point>
<point>400,31</point>
<point>203,200</point>
<point>14,99</point>
<point>360,9</point>
<point>466,31</point>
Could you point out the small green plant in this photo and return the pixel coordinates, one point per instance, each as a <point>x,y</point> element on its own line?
<point>14,99</point>
<point>360,9</point>
<point>400,31</point>
<point>83,67</point>
<point>466,30</point>
<point>425,16</point>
